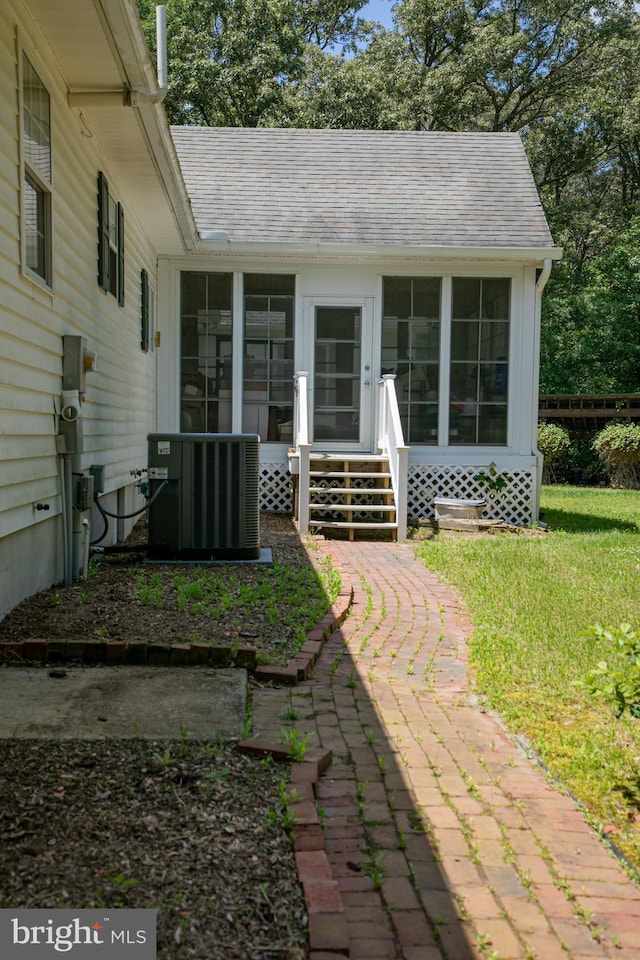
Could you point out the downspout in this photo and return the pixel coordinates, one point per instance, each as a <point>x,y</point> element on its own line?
<point>540,285</point>
<point>156,96</point>
<point>68,518</point>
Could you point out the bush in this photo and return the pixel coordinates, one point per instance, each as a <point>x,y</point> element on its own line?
<point>618,446</point>
<point>553,444</point>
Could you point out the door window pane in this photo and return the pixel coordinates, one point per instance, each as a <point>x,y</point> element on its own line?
<point>337,374</point>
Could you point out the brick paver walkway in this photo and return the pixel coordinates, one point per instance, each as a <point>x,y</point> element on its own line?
<point>442,838</point>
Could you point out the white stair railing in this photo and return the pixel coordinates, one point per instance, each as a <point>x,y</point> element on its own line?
<point>391,444</point>
<point>302,446</point>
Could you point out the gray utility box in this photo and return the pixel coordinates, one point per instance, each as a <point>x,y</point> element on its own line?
<point>208,508</point>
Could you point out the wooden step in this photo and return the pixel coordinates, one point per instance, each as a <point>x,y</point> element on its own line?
<point>360,475</point>
<point>359,491</point>
<point>354,525</point>
<point>354,507</point>
<point>349,457</point>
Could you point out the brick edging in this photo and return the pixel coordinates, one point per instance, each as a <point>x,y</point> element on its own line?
<point>143,653</point>
<point>328,930</point>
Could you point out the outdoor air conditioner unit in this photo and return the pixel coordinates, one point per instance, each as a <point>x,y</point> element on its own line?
<point>207,504</point>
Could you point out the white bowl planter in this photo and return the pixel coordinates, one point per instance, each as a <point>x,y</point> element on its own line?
<point>456,514</point>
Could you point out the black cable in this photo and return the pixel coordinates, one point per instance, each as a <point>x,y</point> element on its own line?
<point>121,516</point>
<point>127,516</point>
<point>94,543</point>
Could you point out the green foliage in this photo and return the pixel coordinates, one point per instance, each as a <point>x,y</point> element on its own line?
<point>553,444</point>
<point>532,598</point>
<point>620,680</point>
<point>618,446</point>
<point>297,743</point>
<point>561,73</point>
<point>491,480</point>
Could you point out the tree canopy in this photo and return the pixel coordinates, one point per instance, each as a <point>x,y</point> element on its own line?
<point>564,74</point>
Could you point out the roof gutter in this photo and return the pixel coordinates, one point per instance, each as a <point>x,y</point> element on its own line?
<point>212,242</point>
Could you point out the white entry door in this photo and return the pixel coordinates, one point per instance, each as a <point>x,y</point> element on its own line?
<point>342,388</point>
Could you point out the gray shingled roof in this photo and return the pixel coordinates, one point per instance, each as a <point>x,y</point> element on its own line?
<point>362,187</point>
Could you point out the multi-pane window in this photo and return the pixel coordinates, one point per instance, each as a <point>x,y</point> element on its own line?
<point>411,350</point>
<point>206,352</point>
<point>479,361</point>
<point>36,198</point>
<point>267,396</point>
<point>110,241</point>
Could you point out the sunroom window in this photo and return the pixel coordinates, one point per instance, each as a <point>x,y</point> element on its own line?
<point>479,361</point>
<point>411,350</point>
<point>267,399</point>
<point>206,352</point>
<point>36,193</point>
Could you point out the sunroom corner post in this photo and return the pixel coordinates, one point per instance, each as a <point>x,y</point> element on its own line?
<point>302,448</point>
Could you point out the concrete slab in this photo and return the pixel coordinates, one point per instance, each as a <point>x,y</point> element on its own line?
<point>122,702</point>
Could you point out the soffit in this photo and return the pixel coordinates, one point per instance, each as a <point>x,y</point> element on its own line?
<point>92,42</point>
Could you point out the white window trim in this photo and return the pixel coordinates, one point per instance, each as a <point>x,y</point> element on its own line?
<point>44,283</point>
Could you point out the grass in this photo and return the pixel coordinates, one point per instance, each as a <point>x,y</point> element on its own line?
<point>532,598</point>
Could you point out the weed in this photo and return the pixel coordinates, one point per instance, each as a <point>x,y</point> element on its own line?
<point>373,866</point>
<point>298,744</point>
<point>290,714</point>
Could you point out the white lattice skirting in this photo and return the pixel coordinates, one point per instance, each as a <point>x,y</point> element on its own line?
<point>514,504</point>
<point>275,488</point>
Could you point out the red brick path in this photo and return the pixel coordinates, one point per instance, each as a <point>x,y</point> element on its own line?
<point>432,835</point>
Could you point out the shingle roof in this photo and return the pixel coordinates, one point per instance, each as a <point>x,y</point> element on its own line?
<point>362,187</point>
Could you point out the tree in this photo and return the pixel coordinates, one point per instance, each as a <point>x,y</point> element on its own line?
<point>230,61</point>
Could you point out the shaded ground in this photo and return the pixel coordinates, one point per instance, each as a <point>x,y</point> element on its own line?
<point>188,827</point>
<point>266,608</point>
<point>192,828</point>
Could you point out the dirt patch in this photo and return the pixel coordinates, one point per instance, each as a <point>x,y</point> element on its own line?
<point>194,829</point>
<point>190,828</point>
<point>268,609</point>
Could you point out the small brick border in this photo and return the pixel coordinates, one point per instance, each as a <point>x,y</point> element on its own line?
<point>328,931</point>
<point>143,653</point>
<point>124,652</point>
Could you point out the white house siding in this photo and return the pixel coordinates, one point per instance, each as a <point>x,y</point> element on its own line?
<point>120,397</point>
<point>433,470</point>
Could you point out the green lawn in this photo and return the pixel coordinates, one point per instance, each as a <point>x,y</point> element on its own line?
<point>531,599</point>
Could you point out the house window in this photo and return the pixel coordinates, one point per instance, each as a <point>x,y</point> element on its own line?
<point>37,189</point>
<point>267,402</point>
<point>147,313</point>
<point>110,242</point>
<point>479,361</point>
<point>411,350</point>
<point>206,352</point>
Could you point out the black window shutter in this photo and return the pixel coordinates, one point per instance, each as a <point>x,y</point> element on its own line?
<point>144,310</point>
<point>120,255</point>
<point>103,232</point>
